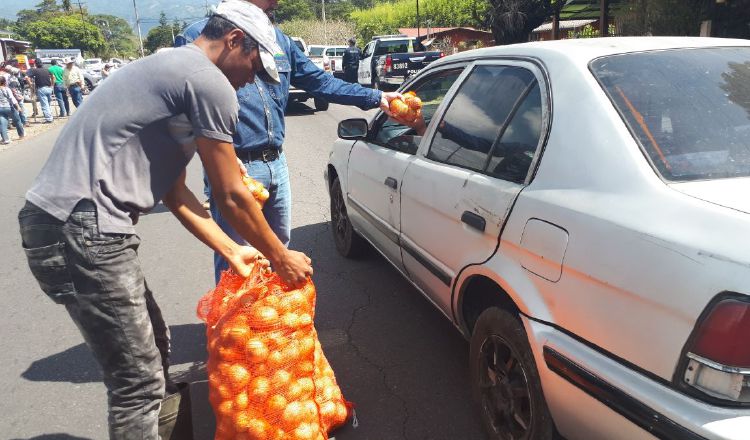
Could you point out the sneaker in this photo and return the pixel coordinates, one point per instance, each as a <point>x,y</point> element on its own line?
<point>4,142</point>
<point>207,205</point>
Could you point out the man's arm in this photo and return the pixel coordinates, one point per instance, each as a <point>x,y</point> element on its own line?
<point>186,207</point>
<point>237,205</point>
<point>310,78</point>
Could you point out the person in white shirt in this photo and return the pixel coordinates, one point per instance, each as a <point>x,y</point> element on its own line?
<point>73,81</point>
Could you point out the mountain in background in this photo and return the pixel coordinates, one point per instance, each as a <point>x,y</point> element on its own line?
<point>148,10</point>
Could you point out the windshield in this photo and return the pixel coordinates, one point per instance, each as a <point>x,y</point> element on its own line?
<point>316,51</point>
<point>689,108</point>
<point>300,45</point>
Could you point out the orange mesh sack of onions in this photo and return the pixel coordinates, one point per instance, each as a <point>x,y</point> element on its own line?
<point>268,377</point>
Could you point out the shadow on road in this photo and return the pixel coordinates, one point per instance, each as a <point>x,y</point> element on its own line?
<point>298,109</point>
<point>77,365</point>
<point>56,436</point>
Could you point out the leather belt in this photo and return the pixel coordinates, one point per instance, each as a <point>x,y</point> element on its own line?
<point>266,155</point>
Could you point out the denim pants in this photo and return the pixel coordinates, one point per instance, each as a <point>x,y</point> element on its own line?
<point>5,114</point>
<point>97,277</point>
<point>76,95</point>
<point>21,114</point>
<point>45,98</point>
<point>61,94</point>
<point>274,175</point>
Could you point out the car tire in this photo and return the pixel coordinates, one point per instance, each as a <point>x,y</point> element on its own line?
<point>505,381</point>
<point>321,105</point>
<point>88,87</point>
<point>348,242</point>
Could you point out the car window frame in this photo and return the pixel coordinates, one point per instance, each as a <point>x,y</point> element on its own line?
<point>542,78</point>
<point>381,117</point>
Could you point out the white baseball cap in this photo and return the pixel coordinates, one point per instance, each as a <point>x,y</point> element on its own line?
<point>255,23</point>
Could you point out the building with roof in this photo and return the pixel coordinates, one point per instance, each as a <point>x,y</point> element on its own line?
<point>459,37</point>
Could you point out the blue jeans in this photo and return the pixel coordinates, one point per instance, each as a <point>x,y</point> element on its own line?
<point>21,117</point>
<point>45,97</point>
<point>98,278</point>
<point>61,94</point>
<point>277,210</point>
<point>76,95</point>
<point>5,114</point>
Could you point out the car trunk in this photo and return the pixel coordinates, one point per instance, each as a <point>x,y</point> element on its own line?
<point>730,193</point>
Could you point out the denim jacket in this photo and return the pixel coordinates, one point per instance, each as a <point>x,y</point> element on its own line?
<point>262,103</point>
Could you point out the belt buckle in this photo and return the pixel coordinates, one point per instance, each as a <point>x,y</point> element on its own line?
<point>268,155</point>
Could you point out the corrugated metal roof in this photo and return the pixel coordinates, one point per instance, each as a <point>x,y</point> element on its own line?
<point>564,25</point>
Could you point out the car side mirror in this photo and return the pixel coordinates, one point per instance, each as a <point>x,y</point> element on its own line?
<point>353,129</point>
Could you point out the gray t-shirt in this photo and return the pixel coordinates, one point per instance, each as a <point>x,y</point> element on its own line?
<point>134,135</point>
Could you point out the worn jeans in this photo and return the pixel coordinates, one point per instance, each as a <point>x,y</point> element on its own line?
<point>277,210</point>
<point>45,98</point>
<point>5,114</point>
<point>76,95</point>
<point>61,94</point>
<point>99,280</point>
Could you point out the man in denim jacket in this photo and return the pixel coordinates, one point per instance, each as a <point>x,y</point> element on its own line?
<point>259,139</point>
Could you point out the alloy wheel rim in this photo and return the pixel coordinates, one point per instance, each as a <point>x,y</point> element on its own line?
<point>504,388</point>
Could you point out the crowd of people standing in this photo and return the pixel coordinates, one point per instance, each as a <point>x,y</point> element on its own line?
<point>63,84</point>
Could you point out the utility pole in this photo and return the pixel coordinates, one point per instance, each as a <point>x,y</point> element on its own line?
<point>325,28</point>
<point>604,18</point>
<point>138,25</point>
<point>418,20</point>
<point>83,20</point>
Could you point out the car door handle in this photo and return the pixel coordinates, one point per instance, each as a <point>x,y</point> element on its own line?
<point>391,182</point>
<point>475,221</point>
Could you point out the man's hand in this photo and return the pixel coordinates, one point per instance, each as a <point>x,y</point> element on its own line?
<point>294,268</point>
<point>243,259</point>
<point>385,101</point>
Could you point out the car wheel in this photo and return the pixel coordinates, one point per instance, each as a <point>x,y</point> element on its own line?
<point>348,243</point>
<point>89,87</point>
<point>504,379</point>
<point>321,105</point>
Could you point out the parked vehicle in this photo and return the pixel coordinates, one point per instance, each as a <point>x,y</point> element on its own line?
<point>389,60</point>
<point>578,209</point>
<point>299,95</point>
<point>93,65</point>
<point>328,58</point>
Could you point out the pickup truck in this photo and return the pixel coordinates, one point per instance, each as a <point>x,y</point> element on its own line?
<point>390,59</point>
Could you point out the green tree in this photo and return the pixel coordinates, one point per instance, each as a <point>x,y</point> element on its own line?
<point>66,6</point>
<point>294,10</point>
<point>160,36</point>
<point>65,31</point>
<point>511,21</point>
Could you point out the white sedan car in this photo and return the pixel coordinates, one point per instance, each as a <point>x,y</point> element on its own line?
<point>580,210</point>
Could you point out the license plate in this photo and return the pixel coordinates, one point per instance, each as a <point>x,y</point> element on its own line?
<point>399,66</point>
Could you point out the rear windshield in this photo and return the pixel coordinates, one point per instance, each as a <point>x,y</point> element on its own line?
<point>689,108</point>
<point>316,51</point>
<point>398,46</point>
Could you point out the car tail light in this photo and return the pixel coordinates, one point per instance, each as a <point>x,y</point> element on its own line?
<point>719,352</point>
<point>333,64</point>
<point>388,63</point>
<point>442,54</point>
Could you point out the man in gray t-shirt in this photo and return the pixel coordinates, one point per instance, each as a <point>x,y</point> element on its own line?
<point>117,157</point>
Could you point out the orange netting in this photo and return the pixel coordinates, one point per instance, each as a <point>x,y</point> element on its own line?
<point>268,377</point>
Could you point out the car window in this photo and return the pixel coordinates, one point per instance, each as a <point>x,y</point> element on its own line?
<point>368,49</point>
<point>431,90</point>
<point>690,113</point>
<point>393,46</point>
<point>331,52</point>
<point>479,111</point>
<point>514,152</point>
<point>316,51</point>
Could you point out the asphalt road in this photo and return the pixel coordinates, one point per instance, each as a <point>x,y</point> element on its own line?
<point>395,356</point>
